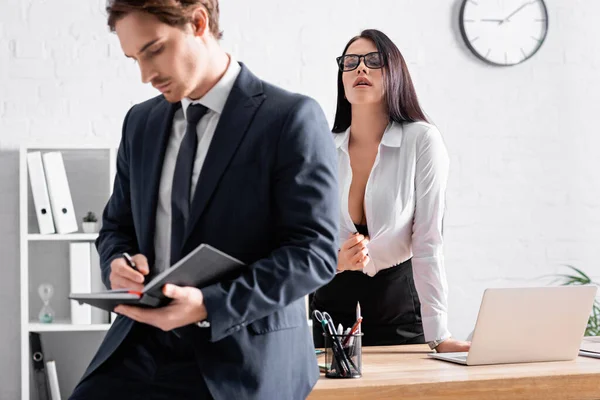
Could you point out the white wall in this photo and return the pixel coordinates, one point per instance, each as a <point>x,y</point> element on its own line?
<point>523,198</point>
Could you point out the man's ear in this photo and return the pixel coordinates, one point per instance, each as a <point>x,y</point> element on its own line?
<point>200,22</point>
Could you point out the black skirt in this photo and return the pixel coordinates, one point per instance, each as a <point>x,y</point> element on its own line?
<point>389,305</point>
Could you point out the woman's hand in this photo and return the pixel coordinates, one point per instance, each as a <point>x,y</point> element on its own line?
<point>353,255</point>
<point>453,346</point>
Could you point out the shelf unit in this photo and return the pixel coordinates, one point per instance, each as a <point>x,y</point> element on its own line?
<point>29,240</point>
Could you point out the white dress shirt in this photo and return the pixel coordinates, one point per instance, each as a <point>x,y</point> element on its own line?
<point>404,206</point>
<point>214,100</point>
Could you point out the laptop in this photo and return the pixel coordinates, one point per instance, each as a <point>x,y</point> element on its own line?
<point>520,325</point>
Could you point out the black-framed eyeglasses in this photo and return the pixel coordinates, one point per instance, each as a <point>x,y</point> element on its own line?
<point>349,62</point>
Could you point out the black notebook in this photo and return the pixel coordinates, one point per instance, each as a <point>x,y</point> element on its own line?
<point>202,267</point>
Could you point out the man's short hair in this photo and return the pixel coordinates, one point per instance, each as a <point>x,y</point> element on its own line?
<point>171,12</point>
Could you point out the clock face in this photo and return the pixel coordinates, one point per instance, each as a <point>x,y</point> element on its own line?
<point>504,32</point>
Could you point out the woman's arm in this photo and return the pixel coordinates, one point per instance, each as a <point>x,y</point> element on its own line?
<point>431,176</point>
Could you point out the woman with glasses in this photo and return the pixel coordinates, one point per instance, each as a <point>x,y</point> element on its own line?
<point>393,168</point>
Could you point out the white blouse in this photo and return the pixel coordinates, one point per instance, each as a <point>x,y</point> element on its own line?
<point>404,205</point>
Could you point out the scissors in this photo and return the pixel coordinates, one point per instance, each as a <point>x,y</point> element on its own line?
<point>325,319</point>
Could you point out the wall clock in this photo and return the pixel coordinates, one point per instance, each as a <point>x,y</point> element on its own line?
<point>503,32</point>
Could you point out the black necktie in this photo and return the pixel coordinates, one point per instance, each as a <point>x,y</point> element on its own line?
<point>182,180</point>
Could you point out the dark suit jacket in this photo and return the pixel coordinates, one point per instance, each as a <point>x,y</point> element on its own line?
<point>267,195</point>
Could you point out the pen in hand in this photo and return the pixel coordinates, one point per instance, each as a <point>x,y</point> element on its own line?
<point>130,262</point>
<point>128,272</point>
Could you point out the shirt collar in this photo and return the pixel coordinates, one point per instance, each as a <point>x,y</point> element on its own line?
<point>341,140</point>
<point>216,97</point>
<point>392,137</point>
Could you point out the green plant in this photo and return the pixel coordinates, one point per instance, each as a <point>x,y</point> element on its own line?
<point>578,277</point>
<point>90,217</point>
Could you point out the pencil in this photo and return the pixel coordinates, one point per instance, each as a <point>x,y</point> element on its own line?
<point>358,315</point>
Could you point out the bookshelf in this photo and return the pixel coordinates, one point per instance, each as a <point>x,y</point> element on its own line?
<point>44,258</point>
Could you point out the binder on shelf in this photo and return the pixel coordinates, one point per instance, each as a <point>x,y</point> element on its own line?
<point>98,316</point>
<point>80,279</point>
<point>59,192</point>
<point>39,367</point>
<point>53,380</point>
<point>39,191</point>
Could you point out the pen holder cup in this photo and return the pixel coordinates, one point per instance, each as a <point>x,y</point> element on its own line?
<point>343,356</point>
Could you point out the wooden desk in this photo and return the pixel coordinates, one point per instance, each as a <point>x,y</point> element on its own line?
<point>406,372</point>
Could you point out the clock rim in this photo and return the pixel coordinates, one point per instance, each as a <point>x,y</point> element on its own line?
<point>463,33</point>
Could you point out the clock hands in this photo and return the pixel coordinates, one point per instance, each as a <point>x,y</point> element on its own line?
<point>516,11</point>
<point>507,19</point>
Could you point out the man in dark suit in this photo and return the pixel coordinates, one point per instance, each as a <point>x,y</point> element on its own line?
<point>222,158</point>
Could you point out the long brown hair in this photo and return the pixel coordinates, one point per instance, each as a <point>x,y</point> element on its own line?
<point>400,96</point>
<point>171,12</point>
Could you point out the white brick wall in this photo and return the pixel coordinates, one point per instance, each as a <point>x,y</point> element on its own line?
<point>524,194</point>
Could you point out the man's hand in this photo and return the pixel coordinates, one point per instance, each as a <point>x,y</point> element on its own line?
<point>122,276</point>
<point>187,307</point>
<point>353,255</point>
<point>453,346</point>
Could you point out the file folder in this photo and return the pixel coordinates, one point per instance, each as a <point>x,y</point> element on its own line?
<point>39,367</point>
<point>81,280</point>
<point>53,380</point>
<point>59,192</point>
<point>99,316</point>
<point>39,191</point>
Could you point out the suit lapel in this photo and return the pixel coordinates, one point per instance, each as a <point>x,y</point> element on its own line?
<point>242,104</point>
<point>156,137</point>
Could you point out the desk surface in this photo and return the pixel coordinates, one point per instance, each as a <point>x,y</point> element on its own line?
<point>407,372</point>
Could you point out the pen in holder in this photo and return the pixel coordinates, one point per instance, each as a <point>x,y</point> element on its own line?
<point>343,355</point>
